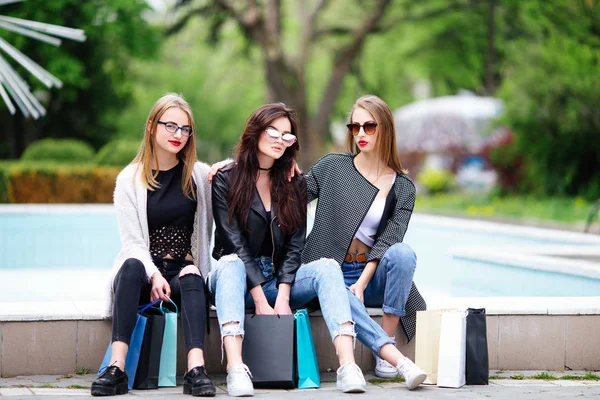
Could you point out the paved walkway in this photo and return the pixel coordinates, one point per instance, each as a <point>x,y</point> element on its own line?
<point>48,387</point>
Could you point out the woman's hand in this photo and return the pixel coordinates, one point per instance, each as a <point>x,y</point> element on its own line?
<point>261,305</point>
<point>263,309</point>
<point>358,289</point>
<point>160,287</point>
<point>216,167</point>
<point>295,169</point>
<point>282,303</point>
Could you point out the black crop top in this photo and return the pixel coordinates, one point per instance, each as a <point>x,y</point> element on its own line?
<point>170,216</point>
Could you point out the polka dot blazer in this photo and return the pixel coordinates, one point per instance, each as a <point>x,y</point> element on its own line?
<point>344,197</point>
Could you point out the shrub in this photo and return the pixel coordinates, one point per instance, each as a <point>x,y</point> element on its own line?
<point>61,150</point>
<point>59,183</point>
<point>435,180</point>
<point>117,153</point>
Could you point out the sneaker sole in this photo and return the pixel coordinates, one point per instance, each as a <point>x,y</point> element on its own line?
<point>240,393</point>
<point>417,381</point>
<point>386,375</point>
<point>109,391</point>
<point>353,389</point>
<point>203,391</point>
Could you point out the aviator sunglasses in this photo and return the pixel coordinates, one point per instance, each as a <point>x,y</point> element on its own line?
<point>273,135</point>
<point>368,127</point>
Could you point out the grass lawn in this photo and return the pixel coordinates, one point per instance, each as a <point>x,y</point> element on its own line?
<point>567,213</point>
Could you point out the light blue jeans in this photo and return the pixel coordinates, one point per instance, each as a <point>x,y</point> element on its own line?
<point>389,288</point>
<point>321,278</point>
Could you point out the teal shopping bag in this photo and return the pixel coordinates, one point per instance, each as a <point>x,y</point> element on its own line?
<point>167,371</point>
<point>308,367</point>
<point>135,347</point>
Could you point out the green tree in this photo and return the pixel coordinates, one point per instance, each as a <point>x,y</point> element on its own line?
<point>299,39</point>
<point>95,73</point>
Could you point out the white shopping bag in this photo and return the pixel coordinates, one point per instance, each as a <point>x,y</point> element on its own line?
<point>452,354</point>
<point>428,343</point>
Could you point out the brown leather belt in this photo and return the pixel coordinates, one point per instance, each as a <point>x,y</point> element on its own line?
<point>356,257</point>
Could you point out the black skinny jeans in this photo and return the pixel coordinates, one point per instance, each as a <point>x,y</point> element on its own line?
<point>132,289</point>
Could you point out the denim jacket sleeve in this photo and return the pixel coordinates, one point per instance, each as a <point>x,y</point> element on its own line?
<point>398,224</point>
<point>228,234</point>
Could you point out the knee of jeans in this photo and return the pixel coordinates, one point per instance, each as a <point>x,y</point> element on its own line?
<point>232,264</point>
<point>404,253</point>
<point>232,328</point>
<point>329,267</point>
<point>133,268</point>
<point>191,280</point>
<point>189,269</point>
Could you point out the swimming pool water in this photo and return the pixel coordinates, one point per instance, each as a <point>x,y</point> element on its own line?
<point>85,241</point>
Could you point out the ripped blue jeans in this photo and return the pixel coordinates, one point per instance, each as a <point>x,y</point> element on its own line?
<point>321,278</point>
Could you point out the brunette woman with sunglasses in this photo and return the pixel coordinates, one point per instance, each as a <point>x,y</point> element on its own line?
<point>163,207</point>
<point>260,220</point>
<point>365,200</point>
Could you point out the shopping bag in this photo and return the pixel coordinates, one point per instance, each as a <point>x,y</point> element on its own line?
<point>452,353</point>
<point>269,350</point>
<point>308,366</point>
<point>477,365</point>
<point>146,376</point>
<point>167,371</point>
<point>427,343</point>
<point>135,347</point>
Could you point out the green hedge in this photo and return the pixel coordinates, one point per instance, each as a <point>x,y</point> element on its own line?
<point>59,150</point>
<point>117,153</point>
<point>48,182</point>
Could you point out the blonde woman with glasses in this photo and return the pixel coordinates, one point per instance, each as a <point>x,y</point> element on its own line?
<point>163,207</point>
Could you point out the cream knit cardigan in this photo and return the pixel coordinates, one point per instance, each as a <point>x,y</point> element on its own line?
<point>130,199</point>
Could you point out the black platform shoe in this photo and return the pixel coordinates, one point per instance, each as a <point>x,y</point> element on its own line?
<point>113,381</point>
<point>197,383</point>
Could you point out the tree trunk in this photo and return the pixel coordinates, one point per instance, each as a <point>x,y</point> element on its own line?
<point>490,86</point>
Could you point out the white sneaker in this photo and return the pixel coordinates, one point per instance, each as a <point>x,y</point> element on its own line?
<point>239,383</point>
<point>350,379</point>
<point>412,374</point>
<point>384,369</point>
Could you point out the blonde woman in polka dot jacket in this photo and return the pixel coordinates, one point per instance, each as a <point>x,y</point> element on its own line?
<point>365,200</point>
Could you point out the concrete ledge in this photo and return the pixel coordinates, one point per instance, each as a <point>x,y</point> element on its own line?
<point>550,339</point>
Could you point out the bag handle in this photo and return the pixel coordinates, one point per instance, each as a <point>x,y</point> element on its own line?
<point>144,307</point>
<point>300,313</point>
<point>170,301</point>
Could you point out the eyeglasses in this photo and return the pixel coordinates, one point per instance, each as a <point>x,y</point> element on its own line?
<point>172,127</point>
<point>368,127</point>
<point>273,135</point>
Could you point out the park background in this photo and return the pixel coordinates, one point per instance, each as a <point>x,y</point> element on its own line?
<point>540,58</point>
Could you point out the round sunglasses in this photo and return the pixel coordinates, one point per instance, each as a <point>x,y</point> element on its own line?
<point>368,127</point>
<point>274,135</point>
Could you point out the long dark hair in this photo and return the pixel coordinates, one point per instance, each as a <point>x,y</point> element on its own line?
<point>290,196</point>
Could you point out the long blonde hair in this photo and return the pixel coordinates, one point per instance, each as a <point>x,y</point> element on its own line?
<point>147,152</point>
<point>386,140</point>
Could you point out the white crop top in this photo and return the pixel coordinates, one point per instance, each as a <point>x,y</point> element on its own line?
<point>371,222</point>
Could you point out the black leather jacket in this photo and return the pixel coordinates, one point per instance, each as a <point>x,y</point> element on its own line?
<point>229,238</point>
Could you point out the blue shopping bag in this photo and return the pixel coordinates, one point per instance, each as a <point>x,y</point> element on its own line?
<point>167,371</point>
<point>135,346</point>
<point>308,367</point>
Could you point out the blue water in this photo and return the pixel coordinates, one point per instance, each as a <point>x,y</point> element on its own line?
<point>91,241</point>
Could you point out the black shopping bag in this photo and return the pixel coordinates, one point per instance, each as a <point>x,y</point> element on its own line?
<point>269,350</point>
<point>477,366</point>
<point>146,376</point>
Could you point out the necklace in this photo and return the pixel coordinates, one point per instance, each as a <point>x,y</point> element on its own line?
<point>264,169</point>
